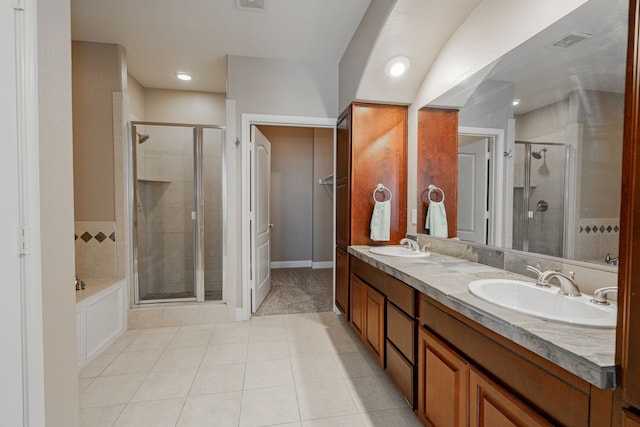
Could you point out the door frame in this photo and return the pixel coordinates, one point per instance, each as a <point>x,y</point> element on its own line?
<point>247,171</point>
<point>501,176</point>
<point>23,305</point>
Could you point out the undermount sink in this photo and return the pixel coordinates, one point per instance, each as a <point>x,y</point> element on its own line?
<point>398,251</point>
<point>545,303</point>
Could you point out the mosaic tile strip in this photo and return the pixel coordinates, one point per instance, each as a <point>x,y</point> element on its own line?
<point>99,236</point>
<point>599,229</point>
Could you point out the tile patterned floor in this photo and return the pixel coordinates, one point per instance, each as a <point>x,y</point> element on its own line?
<point>305,370</point>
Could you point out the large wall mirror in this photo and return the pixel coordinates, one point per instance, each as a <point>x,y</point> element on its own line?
<point>540,140</point>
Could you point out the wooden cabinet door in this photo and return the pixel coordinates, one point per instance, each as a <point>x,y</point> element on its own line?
<point>373,332</point>
<point>443,383</point>
<point>492,406</point>
<point>342,281</point>
<point>378,156</point>
<point>356,303</point>
<point>630,419</point>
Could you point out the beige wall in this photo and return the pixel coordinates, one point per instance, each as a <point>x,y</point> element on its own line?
<point>135,91</point>
<point>301,208</point>
<point>175,106</point>
<point>56,213</point>
<point>322,195</point>
<point>291,192</point>
<point>355,58</point>
<point>601,176</point>
<point>97,73</point>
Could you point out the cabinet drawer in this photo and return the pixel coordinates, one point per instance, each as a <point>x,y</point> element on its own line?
<point>401,295</point>
<point>371,275</point>
<point>401,373</point>
<point>401,331</point>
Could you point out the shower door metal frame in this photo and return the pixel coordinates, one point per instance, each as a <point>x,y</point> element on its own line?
<point>198,198</point>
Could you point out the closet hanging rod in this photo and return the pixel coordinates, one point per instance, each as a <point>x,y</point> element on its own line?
<point>327,180</point>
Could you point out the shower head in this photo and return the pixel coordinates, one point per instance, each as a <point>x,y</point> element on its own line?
<point>538,154</point>
<point>142,138</point>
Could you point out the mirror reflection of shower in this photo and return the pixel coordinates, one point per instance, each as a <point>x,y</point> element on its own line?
<point>535,154</point>
<point>543,169</point>
<point>539,197</point>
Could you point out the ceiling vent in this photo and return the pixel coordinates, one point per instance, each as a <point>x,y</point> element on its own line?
<point>569,40</point>
<point>252,5</point>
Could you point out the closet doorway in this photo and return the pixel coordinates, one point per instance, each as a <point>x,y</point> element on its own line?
<point>301,208</point>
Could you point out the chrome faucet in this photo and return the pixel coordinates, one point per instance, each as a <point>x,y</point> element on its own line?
<point>539,281</point>
<point>611,260</point>
<point>600,295</point>
<point>411,244</point>
<point>568,285</point>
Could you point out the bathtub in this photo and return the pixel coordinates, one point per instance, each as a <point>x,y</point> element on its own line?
<point>101,316</point>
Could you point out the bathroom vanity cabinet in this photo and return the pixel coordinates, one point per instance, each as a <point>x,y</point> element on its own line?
<point>371,149</point>
<point>382,312</point>
<point>456,372</point>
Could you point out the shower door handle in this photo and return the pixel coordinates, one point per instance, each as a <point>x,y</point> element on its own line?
<point>193,215</point>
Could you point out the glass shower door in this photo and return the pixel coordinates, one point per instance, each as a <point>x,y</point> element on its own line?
<point>165,212</point>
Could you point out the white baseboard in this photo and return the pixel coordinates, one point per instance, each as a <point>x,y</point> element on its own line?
<point>291,264</point>
<point>322,264</point>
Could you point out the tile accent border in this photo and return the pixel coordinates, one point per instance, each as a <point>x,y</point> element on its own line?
<point>95,244</point>
<point>599,225</point>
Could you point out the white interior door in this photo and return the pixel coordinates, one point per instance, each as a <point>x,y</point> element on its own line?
<point>473,191</point>
<point>261,223</point>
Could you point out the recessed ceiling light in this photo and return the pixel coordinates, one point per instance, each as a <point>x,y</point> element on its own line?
<point>397,66</point>
<point>516,102</point>
<point>184,76</point>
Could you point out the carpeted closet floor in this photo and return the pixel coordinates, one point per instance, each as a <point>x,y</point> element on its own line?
<point>298,290</point>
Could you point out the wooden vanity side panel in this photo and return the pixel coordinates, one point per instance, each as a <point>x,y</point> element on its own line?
<point>438,163</point>
<point>343,171</point>
<point>378,155</point>
<point>342,281</point>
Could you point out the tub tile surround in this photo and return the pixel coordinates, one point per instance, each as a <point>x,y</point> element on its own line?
<point>586,352</point>
<point>597,237</point>
<point>95,244</point>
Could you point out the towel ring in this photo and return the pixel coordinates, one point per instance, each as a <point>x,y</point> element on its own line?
<point>433,188</point>
<point>381,188</point>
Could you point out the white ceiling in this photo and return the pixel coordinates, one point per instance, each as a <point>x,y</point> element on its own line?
<point>165,36</point>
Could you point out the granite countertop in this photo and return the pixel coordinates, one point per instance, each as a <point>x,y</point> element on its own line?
<point>588,353</point>
<point>94,286</point>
